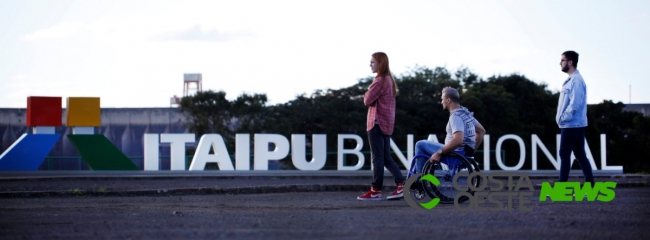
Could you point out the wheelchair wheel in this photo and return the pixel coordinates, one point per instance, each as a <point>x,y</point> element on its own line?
<point>445,170</point>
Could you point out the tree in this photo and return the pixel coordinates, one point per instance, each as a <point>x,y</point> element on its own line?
<point>628,135</point>
<point>510,104</point>
<point>209,112</point>
<point>249,112</point>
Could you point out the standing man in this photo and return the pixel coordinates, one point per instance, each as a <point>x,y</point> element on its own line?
<point>571,117</point>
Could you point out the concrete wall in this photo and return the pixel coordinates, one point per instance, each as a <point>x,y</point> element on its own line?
<point>123,126</point>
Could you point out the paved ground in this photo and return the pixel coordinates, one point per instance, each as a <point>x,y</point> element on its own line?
<point>44,183</point>
<point>329,215</point>
<point>289,206</point>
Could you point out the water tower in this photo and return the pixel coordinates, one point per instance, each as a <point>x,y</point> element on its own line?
<point>188,80</point>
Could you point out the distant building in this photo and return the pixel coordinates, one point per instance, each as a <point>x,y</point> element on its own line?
<point>643,108</point>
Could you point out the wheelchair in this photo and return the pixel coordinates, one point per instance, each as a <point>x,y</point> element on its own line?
<point>450,164</point>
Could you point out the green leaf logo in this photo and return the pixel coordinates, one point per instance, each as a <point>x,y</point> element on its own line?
<point>434,202</point>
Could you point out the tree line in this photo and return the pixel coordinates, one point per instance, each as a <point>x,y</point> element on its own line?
<point>511,104</point>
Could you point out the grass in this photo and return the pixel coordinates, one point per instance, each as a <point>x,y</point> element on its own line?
<point>76,192</point>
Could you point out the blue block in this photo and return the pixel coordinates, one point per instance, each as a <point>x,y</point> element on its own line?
<point>28,152</point>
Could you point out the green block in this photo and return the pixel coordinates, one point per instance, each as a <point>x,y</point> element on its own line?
<point>99,153</point>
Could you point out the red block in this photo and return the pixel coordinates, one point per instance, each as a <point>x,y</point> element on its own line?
<point>43,111</point>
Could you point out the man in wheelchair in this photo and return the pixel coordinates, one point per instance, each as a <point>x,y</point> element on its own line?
<point>464,134</point>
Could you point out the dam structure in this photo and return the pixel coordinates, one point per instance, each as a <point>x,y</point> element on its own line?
<point>124,127</point>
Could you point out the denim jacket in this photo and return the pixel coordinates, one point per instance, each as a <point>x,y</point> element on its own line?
<point>572,105</point>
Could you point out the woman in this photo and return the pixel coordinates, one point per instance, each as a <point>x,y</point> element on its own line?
<point>380,99</point>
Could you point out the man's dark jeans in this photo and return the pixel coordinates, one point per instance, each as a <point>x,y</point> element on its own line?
<point>573,140</point>
<point>380,156</point>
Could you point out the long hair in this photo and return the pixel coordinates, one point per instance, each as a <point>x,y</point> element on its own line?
<point>383,68</point>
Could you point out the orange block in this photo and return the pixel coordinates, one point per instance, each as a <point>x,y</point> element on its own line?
<point>83,112</point>
<point>43,111</point>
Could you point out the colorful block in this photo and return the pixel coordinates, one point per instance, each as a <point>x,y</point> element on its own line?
<point>99,153</point>
<point>43,111</point>
<point>83,112</point>
<point>28,152</point>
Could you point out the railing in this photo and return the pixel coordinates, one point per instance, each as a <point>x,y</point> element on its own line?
<point>63,162</point>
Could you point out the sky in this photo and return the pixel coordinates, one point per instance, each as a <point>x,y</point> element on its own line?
<point>134,53</point>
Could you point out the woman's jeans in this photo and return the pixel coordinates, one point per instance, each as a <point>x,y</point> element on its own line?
<point>573,140</point>
<point>380,155</point>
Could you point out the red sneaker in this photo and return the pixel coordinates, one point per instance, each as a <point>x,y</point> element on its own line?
<point>373,194</point>
<point>398,193</point>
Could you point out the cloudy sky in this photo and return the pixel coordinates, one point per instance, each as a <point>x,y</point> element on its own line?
<point>134,53</point>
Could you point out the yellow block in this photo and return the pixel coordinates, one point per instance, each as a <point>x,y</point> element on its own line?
<point>83,112</point>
